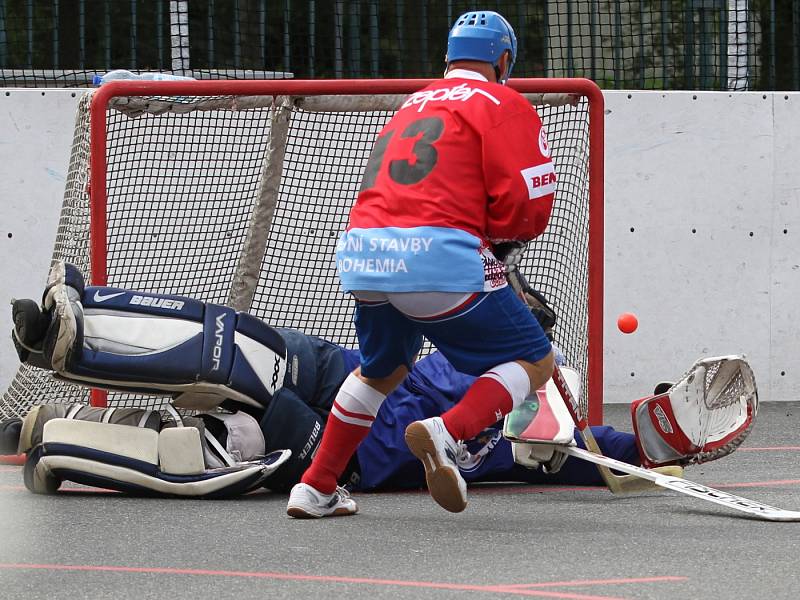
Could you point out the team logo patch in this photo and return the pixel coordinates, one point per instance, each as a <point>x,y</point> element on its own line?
<point>98,297</point>
<point>544,145</point>
<point>541,180</point>
<point>663,420</point>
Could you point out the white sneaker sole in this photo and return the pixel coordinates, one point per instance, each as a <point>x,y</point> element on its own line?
<point>298,512</point>
<point>442,479</point>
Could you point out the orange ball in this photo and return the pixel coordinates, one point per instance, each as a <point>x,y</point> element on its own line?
<point>627,322</point>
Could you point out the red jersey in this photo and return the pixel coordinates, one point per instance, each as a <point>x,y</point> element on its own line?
<point>463,163</point>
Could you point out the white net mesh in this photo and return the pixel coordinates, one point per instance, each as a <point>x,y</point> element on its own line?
<point>239,200</point>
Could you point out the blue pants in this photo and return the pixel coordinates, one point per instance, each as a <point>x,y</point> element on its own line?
<point>433,387</point>
<point>494,328</point>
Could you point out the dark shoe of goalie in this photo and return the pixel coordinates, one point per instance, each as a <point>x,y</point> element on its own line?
<point>51,337</point>
<point>9,435</point>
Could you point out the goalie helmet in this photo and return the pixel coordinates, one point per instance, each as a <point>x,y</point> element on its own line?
<point>484,36</point>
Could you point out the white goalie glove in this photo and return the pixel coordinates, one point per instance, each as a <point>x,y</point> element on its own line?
<point>704,416</point>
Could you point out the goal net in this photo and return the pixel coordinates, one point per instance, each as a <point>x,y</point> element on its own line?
<point>235,192</point>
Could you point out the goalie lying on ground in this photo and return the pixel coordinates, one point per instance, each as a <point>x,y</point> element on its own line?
<point>275,389</point>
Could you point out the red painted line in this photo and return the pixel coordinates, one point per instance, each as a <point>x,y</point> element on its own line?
<point>13,488</point>
<point>669,578</point>
<point>322,578</point>
<point>769,449</point>
<point>773,483</point>
<point>12,459</point>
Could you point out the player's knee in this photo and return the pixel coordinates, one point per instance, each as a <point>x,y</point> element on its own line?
<point>387,384</point>
<point>540,371</point>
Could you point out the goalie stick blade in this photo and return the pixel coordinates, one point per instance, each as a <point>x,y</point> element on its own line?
<point>621,484</point>
<point>630,484</point>
<point>758,510</point>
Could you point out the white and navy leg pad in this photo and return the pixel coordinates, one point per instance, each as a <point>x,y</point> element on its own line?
<point>357,403</point>
<point>157,342</point>
<point>137,460</point>
<point>513,378</point>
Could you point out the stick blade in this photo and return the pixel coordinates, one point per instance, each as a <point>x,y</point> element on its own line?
<point>630,484</point>
<point>763,512</point>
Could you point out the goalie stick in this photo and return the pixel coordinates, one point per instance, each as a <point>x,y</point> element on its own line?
<point>639,479</point>
<point>617,484</point>
<point>761,511</point>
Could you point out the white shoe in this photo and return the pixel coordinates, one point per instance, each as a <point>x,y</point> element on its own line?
<point>430,442</point>
<point>305,502</point>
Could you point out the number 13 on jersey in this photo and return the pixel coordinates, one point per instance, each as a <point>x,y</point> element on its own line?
<point>427,130</point>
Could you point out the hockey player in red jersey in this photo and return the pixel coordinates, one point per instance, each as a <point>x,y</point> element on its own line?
<point>458,181</point>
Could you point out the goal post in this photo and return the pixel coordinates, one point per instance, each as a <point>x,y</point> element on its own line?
<point>235,192</point>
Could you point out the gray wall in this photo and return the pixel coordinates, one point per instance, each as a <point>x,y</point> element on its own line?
<point>706,181</point>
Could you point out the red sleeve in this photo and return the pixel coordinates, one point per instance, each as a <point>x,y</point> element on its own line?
<point>520,178</point>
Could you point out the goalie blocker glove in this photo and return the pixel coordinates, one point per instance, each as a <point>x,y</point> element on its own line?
<point>703,417</point>
<point>541,425</point>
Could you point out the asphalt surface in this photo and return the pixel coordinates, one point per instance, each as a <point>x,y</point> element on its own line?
<point>513,540</point>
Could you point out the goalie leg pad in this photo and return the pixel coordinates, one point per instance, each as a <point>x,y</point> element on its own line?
<point>205,351</point>
<point>150,343</point>
<point>32,430</point>
<point>541,424</point>
<point>136,460</point>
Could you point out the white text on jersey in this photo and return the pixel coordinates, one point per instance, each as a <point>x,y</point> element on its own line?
<point>541,180</point>
<point>460,92</point>
<point>414,244</point>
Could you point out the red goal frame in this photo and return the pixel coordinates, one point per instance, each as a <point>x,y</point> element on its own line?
<point>582,87</point>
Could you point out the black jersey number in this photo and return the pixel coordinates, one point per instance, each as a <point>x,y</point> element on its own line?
<point>401,170</point>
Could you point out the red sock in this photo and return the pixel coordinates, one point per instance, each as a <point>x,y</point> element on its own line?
<point>339,442</point>
<point>486,402</point>
<point>351,417</point>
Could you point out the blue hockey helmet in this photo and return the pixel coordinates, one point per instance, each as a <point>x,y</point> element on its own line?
<point>482,35</point>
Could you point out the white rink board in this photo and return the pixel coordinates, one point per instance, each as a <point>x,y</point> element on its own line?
<point>35,140</point>
<point>721,165</point>
<point>708,183</point>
